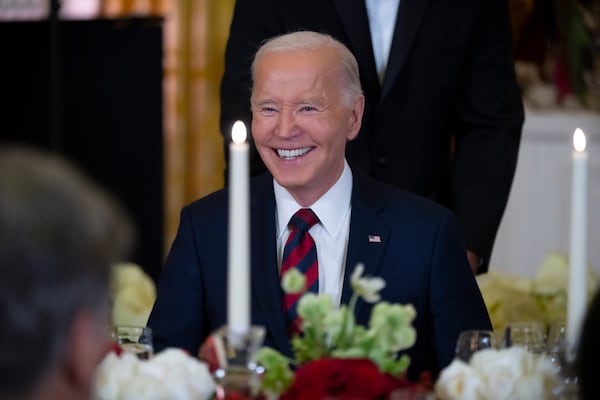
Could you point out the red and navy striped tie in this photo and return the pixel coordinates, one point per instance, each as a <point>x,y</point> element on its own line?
<point>300,251</point>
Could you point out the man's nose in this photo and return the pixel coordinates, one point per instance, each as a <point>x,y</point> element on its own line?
<point>286,124</point>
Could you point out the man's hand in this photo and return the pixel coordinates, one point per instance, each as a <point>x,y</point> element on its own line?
<point>474,261</point>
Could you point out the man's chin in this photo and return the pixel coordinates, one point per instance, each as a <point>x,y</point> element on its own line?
<point>291,181</point>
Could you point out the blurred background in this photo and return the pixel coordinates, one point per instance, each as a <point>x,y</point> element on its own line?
<point>129,90</point>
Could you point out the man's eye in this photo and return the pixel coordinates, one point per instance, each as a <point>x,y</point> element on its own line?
<point>308,108</point>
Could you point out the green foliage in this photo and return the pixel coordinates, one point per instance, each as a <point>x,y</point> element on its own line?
<point>330,332</point>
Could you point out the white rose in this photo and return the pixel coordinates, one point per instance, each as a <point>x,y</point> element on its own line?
<point>144,386</point>
<point>530,388</point>
<point>459,381</point>
<point>112,372</point>
<point>503,369</point>
<point>188,378</point>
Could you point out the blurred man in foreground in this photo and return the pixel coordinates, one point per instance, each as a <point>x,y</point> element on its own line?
<point>59,236</point>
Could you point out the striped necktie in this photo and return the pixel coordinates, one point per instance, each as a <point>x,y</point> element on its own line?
<point>300,252</point>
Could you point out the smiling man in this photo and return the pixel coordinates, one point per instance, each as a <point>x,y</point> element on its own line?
<point>302,117</point>
<point>313,211</point>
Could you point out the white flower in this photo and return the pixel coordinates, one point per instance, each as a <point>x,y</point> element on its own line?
<point>507,367</point>
<point>112,373</point>
<point>143,387</point>
<point>185,375</point>
<point>514,370</point>
<point>459,381</point>
<point>367,288</point>
<point>512,373</point>
<point>171,374</point>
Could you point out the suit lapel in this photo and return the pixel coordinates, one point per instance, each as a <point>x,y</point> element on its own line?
<point>265,275</point>
<point>354,19</point>
<point>368,233</point>
<point>410,16</point>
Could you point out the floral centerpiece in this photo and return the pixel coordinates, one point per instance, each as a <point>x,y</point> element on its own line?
<point>334,357</point>
<point>542,298</point>
<point>510,373</point>
<point>133,293</point>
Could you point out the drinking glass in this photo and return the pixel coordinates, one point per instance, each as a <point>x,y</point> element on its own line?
<point>563,357</point>
<point>555,342</point>
<point>134,339</point>
<point>474,340</point>
<point>529,335</point>
<point>231,357</point>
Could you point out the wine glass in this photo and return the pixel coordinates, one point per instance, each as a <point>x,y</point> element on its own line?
<point>563,357</point>
<point>555,343</point>
<point>529,335</point>
<point>134,339</point>
<point>474,340</point>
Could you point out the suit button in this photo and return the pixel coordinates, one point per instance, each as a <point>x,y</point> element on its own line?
<point>382,161</point>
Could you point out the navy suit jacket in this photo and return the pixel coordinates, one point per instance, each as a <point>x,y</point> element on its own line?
<point>449,85</point>
<point>421,257</point>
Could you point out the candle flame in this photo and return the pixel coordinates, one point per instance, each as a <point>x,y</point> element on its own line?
<point>238,132</point>
<point>579,140</point>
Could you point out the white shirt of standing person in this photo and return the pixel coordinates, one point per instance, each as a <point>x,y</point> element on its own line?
<point>382,21</point>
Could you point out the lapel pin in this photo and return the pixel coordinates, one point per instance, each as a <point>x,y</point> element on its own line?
<point>374,239</point>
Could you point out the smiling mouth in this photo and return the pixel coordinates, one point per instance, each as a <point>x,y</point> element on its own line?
<point>294,153</point>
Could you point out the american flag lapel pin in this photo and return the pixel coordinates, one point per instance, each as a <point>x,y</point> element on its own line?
<point>374,239</point>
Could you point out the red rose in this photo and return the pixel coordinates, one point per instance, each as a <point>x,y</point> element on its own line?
<point>114,347</point>
<point>208,353</point>
<point>343,379</point>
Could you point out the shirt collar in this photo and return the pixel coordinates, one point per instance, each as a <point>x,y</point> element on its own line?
<point>331,208</point>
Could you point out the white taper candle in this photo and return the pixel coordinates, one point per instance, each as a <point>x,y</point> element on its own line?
<point>238,285</point>
<point>577,300</point>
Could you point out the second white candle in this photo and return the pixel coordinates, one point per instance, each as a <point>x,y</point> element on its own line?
<point>577,300</point>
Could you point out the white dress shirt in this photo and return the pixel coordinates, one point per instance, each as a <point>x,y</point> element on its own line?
<point>330,235</point>
<point>382,21</point>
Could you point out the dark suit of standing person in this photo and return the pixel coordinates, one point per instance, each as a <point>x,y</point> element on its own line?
<point>59,237</point>
<point>307,104</point>
<point>443,113</point>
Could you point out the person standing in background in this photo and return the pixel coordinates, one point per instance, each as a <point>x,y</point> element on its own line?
<point>59,237</point>
<point>443,113</point>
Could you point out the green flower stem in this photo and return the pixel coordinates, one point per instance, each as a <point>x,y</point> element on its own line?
<point>342,340</point>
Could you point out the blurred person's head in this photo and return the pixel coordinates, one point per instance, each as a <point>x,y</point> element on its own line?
<point>306,104</point>
<point>588,351</point>
<point>59,236</point>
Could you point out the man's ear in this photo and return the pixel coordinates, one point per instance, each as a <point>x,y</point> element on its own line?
<point>356,114</point>
<point>87,344</point>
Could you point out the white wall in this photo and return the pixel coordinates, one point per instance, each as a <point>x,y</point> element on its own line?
<point>537,217</point>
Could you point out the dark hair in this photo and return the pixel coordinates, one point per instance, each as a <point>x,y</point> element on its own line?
<point>59,236</point>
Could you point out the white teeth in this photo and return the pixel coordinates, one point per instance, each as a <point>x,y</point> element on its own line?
<point>290,154</point>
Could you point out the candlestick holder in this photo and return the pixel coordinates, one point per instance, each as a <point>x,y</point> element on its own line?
<point>231,358</point>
